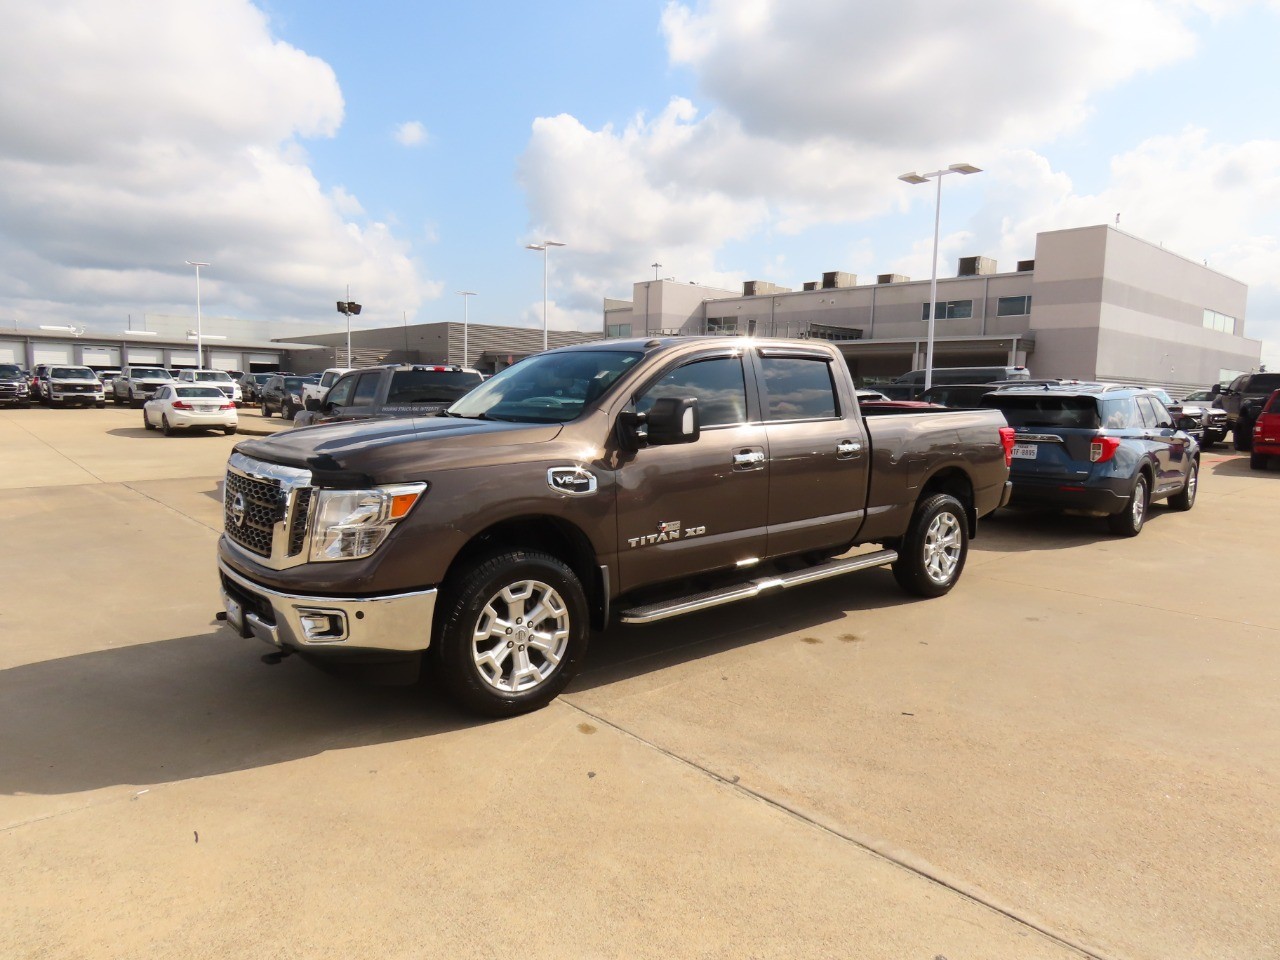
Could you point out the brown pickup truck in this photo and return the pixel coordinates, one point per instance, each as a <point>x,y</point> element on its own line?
<point>632,479</point>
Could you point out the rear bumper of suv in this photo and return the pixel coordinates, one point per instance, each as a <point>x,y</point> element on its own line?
<point>1108,497</point>
<point>397,625</point>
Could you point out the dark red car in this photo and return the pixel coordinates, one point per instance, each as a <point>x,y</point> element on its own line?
<point>1266,433</point>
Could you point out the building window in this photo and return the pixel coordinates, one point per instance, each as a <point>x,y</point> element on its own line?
<point>722,325</point>
<point>948,310</point>
<point>618,330</point>
<point>1213,320</point>
<point>1013,306</point>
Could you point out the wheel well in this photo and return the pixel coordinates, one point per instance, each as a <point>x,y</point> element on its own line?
<point>561,539</point>
<point>956,482</point>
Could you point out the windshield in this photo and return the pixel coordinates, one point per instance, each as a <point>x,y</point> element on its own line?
<point>10,370</point>
<point>546,388</point>
<point>151,373</point>
<point>425,386</point>
<point>72,373</point>
<point>294,383</point>
<point>208,376</point>
<point>1045,410</point>
<point>261,377</point>
<point>1199,396</point>
<point>1164,397</point>
<point>213,392</point>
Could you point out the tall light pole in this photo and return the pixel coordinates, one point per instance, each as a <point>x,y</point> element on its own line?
<point>199,331</point>
<point>348,307</point>
<point>966,169</point>
<point>544,246</point>
<point>466,296</point>
<point>656,267</point>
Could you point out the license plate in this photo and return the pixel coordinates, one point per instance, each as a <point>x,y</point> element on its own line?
<point>1024,451</point>
<point>205,408</point>
<point>235,616</point>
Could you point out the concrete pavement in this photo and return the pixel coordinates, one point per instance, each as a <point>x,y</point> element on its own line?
<point>1077,752</point>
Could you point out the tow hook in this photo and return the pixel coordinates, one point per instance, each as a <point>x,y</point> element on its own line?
<point>271,659</point>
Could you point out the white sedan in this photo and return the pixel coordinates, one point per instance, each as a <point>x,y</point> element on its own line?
<point>182,406</point>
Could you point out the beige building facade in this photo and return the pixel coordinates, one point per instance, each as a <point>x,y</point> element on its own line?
<point>1095,303</point>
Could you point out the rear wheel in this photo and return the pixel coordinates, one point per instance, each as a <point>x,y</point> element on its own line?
<point>512,633</point>
<point>1128,522</point>
<point>229,431</point>
<point>1186,498</point>
<point>932,554</point>
<point>266,409</point>
<point>1257,461</point>
<point>165,428</point>
<point>1242,434</point>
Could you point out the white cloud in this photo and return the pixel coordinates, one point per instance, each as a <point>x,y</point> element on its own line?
<point>918,72</point>
<point>411,133</point>
<point>140,136</point>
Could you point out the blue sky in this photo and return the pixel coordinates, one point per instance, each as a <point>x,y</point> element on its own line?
<point>726,140</point>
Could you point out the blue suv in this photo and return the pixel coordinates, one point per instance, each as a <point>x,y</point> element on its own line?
<point>1098,449</point>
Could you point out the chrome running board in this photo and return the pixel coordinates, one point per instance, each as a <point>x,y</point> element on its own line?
<point>753,588</point>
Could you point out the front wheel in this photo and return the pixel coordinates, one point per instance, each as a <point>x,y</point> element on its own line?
<point>1128,522</point>
<point>266,410</point>
<point>512,633</point>
<point>931,556</point>
<point>146,422</point>
<point>1186,498</point>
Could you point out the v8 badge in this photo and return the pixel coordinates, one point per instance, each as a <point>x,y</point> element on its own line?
<point>574,481</point>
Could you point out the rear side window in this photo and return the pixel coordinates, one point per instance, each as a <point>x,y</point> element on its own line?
<point>1046,410</point>
<point>1121,413</point>
<point>1273,406</point>
<point>427,386</point>
<point>1261,382</point>
<point>798,388</point>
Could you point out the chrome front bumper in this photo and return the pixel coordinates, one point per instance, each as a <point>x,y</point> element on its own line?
<point>400,623</point>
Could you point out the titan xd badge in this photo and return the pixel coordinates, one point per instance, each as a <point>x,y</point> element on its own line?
<point>668,530</point>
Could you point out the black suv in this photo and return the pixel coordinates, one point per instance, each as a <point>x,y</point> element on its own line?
<point>1099,449</point>
<point>282,394</point>
<point>13,385</point>
<point>1243,399</point>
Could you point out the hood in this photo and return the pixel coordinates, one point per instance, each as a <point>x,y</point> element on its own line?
<point>390,451</point>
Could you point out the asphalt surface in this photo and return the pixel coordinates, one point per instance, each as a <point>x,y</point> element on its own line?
<point>1075,753</point>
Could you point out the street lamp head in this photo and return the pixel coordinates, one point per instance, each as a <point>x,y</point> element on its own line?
<point>349,307</point>
<point>913,177</point>
<point>466,293</point>
<point>534,246</point>
<point>553,243</point>
<point>965,168</point>
<point>196,263</point>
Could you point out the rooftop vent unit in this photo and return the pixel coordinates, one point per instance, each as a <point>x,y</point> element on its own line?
<point>976,267</point>
<point>811,285</point>
<point>1026,266</point>
<point>838,279</point>
<point>891,278</point>
<point>760,288</point>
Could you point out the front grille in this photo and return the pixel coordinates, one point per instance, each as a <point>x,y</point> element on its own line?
<point>264,507</point>
<point>299,521</point>
<point>267,510</point>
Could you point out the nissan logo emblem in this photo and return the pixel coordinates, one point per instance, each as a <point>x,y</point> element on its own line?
<point>236,509</point>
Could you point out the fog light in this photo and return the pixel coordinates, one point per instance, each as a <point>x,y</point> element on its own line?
<point>323,626</point>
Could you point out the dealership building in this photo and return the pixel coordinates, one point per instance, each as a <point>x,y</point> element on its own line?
<point>1095,303</point>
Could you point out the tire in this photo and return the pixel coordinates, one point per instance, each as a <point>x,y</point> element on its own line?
<point>1242,434</point>
<point>1258,461</point>
<point>165,428</point>
<point>1185,499</point>
<point>147,424</point>
<point>1129,521</point>
<point>102,405</point>
<point>115,398</point>
<point>932,554</point>
<point>266,410</point>
<point>481,675</point>
<point>230,431</point>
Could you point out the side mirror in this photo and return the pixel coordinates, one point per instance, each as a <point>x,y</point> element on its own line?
<point>1215,390</point>
<point>312,404</point>
<point>673,420</point>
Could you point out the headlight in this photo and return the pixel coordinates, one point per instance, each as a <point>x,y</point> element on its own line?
<point>351,524</point>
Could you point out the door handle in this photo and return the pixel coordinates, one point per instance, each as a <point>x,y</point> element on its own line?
<point>847,448</point>
<point>748,457</point>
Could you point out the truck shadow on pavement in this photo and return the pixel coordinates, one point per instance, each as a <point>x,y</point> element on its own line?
<point>1239,467</point>
<point>1027,529</point>
<point>171,710</point>
<point>623,652</point>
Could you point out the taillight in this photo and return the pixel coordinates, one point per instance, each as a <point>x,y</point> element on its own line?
<point>1007,437</point>
<point>182,405</point>
<point>227,406</point>
<point>1103,449</point>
